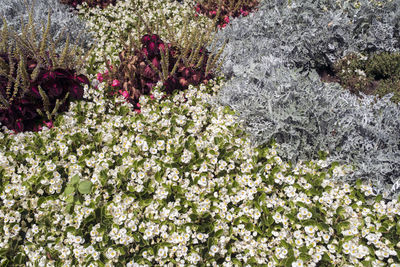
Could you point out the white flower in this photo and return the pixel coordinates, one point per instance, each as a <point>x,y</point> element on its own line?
<point>298,263</point>
<point>214,249</point>
<point>111,253</point>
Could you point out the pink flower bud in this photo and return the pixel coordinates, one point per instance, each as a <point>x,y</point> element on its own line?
<point>115,83</point>
<point>138,105</point>
<point>99,77</point>
<point>137,111</point>
<point>152,96</point>
<point>226,19</point>
<point>49,124</point>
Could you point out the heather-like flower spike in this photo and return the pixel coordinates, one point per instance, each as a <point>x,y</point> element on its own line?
<point>35,82</point>
<point>142,68</point>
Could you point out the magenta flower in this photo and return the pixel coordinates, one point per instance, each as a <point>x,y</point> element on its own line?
<point>115,83</point>
<point>124,94</point>
<point>49,124</point>
<point>99,77</point>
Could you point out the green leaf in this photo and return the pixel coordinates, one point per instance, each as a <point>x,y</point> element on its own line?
<point>279,209</point>
<point>270,220</point>
<point>158,176</point>
<point>340,211</point>
<point>347,238</point>
<point>303,256</point>
<point>145,202</point>
<point>69,190</point>
<point>70,199</point>
<point>366,263</point>
<point>85,187</point>
<point>323,226</point>
<point>258,230</point>
<point>74,180</point>
<point>288,261</point>
<point>285,244</point>
<point>358,183</point>
<point>19,259</point>
<point>244,219</point>
<point>219,233</point>
<point>249,227</point>
<point>378,198</point>
<point>40,201</point>
<point>136,237</point>
<point>237,262</point>
<point>3,251</point>
<point>342,225</point>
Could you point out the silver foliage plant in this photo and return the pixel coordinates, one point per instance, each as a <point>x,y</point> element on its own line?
<point>63,22</point>
<point>311,33</point>
<point>278,94</point>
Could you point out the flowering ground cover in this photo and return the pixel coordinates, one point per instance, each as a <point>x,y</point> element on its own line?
<point>178,184</point>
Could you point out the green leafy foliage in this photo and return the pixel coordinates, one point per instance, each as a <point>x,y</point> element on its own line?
<point>374,74</point>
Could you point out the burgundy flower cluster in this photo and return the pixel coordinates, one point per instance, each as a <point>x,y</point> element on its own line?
<point>21,113</point>
<point>90,3</point>
<point>146,77</point>
<point>209,9</point>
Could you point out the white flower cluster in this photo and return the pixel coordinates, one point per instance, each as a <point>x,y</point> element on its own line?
<point>123,17</point>
<point>166,194</point>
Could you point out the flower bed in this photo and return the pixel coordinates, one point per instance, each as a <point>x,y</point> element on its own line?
<point>179,183</point>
